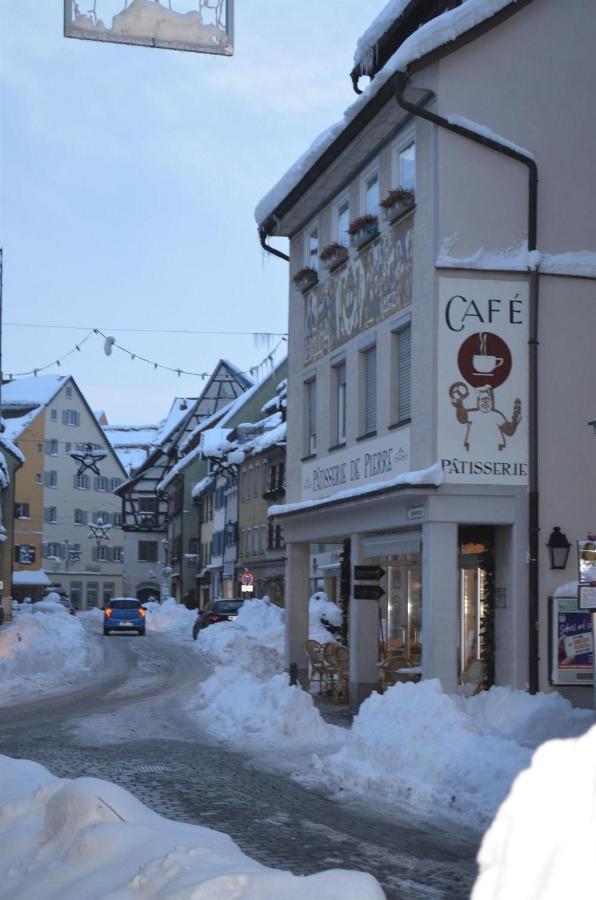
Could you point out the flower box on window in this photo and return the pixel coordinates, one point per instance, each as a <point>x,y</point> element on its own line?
<point>306,278</point>
<point>362,230</point>
<point>333,255</point>
<point>398,202</point>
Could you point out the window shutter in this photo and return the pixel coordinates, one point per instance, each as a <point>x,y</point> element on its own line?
<point>370,390</point>
<point>46,515</point>
<point>404,373</point>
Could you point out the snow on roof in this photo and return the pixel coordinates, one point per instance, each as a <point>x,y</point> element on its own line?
<point>439,31</point>
<point>179,409</point>
<point>487,132</point>
<point>202,485</point>
<point>6,442</point>
<point>131,435</point>
<point>39,391</point>
<point>433,476</point>
<point>32,577</point>
<point>14,427</point>
<point>578,263</point>
<point>214,442</point>
<point>365,48</point>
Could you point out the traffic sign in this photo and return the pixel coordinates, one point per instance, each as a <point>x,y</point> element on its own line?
<point>368,573</point>
<point>368,592</point>
<point>247,578</point>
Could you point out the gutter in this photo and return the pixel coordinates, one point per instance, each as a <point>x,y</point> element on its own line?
<point>400,81</point>
<point>264,233</point>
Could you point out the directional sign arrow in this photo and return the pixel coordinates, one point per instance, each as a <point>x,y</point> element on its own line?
<point>368,592</point>
<point>368,573</point>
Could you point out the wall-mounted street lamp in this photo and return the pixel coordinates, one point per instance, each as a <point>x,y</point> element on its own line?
<point>558,548</point>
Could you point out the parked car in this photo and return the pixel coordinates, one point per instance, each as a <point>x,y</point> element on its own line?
<point>216,611</point>
<point>124,614</point>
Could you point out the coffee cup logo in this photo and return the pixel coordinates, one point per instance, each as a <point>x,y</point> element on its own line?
<point>484,359</point>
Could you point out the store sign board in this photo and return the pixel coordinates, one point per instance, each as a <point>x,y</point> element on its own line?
<point>482,381</point>
<point>369,462</point>
<point>200,27</point>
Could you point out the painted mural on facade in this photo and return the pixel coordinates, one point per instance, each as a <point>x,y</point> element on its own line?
<point>365,291</point>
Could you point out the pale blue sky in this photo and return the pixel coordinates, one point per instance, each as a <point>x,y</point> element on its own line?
<point>128,182</point>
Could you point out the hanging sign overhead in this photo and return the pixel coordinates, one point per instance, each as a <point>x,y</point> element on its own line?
<point>200,26</point>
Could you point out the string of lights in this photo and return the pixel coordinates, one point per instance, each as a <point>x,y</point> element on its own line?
<point>256,334</point>
<point>110,342</point>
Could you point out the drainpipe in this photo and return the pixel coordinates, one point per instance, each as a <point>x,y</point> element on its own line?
<point>400,81</point>
<point>263,234</point>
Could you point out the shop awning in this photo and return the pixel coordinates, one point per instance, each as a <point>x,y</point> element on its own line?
<point>33,577</point>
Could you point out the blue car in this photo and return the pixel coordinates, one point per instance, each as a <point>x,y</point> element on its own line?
<point>124,614</point>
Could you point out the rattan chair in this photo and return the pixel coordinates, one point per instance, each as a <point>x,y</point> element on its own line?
<point>317,664</point>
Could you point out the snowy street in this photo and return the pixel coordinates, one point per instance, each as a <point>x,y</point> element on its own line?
<point>130,727</point>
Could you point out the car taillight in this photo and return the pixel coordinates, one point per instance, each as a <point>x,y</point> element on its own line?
<point>214,617</point>
<point>141,612</point>
<point>108,612</point>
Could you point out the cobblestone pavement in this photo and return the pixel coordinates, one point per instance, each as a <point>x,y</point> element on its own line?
<point>130,728</point>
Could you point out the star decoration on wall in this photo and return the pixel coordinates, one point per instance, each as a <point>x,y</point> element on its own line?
<point>99,531</point>
<point>88,459</point>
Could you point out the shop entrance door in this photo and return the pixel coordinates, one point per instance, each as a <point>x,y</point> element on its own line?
<point>475,556</point>
<point>404,610</point>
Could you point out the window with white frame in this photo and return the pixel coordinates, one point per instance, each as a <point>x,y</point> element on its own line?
<point>342,223</point>
<point>402,373</point>
<point>68,392</point>
<point>50,515</point>
<point>371,194</point>
<point>369,390</point>
<point>50,479</point>
<point>312,249</point>
<point>54,415</point>
<point>81,482</point>
<point>21,511</point>
<point>339,379</point>
<point>80,516</point>
<point>70,417</point>
<point>406,165</point>
<point>52,446</point>
<point>38,478</point>
<point>310,416</point>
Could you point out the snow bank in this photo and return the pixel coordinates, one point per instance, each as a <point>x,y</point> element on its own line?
<point>542,844</point>
<point>89,838</point>
<point>170,617</point>
<point>249,693</point>
<point>42,647</point>
<point>420,747</point>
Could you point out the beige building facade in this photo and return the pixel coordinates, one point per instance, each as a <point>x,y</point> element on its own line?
<point>429,423</point>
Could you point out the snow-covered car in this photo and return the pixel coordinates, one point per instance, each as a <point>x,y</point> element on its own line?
<point>216,611</point>
<point>124,614</point>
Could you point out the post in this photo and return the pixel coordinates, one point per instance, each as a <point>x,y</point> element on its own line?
<point>297,596</point>
<point>363,637</point>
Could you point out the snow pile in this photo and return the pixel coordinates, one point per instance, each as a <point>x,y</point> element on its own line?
<point>529,720</point>
<point>418,746</point>
<point>249,693</point>
<point>89,838</point>
<point>546,824</point>
<point>170,616</point>
<point>43,646</point>
<point>579,264</point>
<point>322,612</point>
